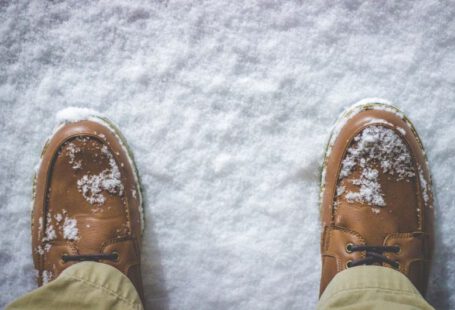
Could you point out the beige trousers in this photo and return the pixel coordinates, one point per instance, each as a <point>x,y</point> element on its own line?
<point>371,287</point>
<point>85,285</point>
<point>91,285</point>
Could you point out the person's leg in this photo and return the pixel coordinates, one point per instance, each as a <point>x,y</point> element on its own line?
<point>371,287</point>
<point>377,209</point>
<point>87,285</point>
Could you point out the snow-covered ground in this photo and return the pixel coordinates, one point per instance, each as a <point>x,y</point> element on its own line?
<point>227,106</point>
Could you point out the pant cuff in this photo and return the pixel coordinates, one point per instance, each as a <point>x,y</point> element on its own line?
<point>106,278</point>
<point>370,284</point>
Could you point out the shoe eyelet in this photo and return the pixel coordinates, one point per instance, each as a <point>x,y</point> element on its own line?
<point>349,264</point>
<point>349,247</point>
<point>117,256</point>
<point>398,265</point>
<point>63,255</point>
<point>399,249</point>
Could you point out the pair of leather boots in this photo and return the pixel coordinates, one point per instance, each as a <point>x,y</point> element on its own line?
<point>376,198</point>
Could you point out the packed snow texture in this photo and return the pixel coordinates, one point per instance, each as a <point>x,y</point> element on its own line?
<point>227,106</point>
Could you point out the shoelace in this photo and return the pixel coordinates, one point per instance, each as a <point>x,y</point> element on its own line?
<point>374,254</point>
<point>91,257</point>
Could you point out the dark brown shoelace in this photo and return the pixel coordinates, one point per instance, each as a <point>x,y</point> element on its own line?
<point>374,254</point>
<point>91,257</point>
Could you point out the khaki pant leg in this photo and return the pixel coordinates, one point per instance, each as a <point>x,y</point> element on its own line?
<point>86,285</point>
<point>371,287</point>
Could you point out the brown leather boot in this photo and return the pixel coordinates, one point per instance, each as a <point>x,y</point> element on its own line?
<point>87,202</point>
<point>376,198</point>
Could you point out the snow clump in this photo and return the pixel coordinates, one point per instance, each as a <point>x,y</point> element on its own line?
<point>92,186</point>
<point>70,231</point>
<point>375,147</point>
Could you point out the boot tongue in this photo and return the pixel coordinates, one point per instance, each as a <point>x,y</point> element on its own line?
<point>377,186</point>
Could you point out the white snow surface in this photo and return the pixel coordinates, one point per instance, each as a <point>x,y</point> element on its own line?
<point>227,106</point>
<point>72,114</point>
